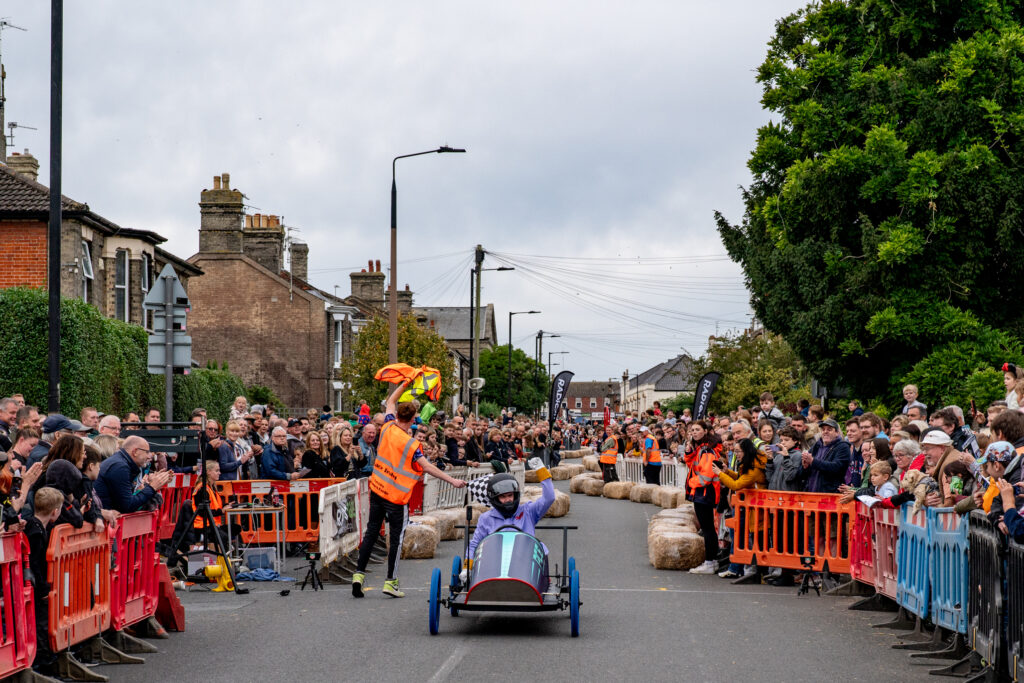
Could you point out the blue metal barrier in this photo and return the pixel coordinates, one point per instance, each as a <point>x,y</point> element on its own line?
<point>985,602</point>
<point>1015,609</point>
<point>912,561</point>
<point>947,542</point>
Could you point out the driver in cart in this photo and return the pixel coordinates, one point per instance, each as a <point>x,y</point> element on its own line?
<point>503,495</point>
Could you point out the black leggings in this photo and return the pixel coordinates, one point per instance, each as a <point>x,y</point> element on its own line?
<point>609,473</point>
<point>706,517</point>
<point>397,516</point>
<point>652,474</point>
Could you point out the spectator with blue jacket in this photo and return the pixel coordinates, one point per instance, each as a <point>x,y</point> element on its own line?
<point>116,485</point>
<point>277,464</point>
<point>824,467</point>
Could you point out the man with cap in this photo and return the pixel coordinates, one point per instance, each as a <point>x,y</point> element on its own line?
<point>53,426</point>
<point>295,437</point>
<point>825,465</point>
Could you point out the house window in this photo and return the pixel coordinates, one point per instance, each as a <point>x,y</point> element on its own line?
<point>121,286</point>
<point>579,403</point>
<point>86,271</point>
<point>337,343</point>
<point>147,271</point>
<point>593,403</point>
<point>607,401</point>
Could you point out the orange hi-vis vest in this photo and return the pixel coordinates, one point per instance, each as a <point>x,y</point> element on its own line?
<point>215,506</point>
<point>609,452</point>
<point>394,472</point>
<point>652,456</point>
<point>702,475</point>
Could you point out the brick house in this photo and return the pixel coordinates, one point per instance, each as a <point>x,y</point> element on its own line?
<point>660,383</point>
<point>588,399</point>
<point>103,263</point>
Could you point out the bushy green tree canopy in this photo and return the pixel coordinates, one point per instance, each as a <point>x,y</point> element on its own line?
<point>883,230</point>
<point>530,384</point>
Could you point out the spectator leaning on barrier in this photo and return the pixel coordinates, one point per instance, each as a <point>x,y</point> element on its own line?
<point>396,470</point>
<point>825,466</point>
<point>16,484</point>
<point>994,463</point>
<point>749,473</point>
<point>47,508</point>
<point>367,439</point>
<point>277,462</point>
<point>116,483</point>
<point>783,468</point>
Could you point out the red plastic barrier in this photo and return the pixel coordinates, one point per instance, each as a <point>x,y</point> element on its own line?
<point>133,580</point>
<point>301,500</point>
<point>886,530</point>
<point>79,574</point>
<point>779,528</point>
<point>862,545</point>
<point>17,606</point>
<point>416,502</point>
<point>175,494</point>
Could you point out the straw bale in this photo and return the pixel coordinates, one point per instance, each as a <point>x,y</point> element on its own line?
<point>560,507</point>
<point>560,473</point>
<point>593,487</point>
<point>420,542</point>
<point>675,550</point>
<point>669,496</point>
<point>591,463</point>
<point>618,490</point>
<point>641,493</point>
<point>531,477</point>
<point>455,516</point>
<point>445,524</point>
<point>574,468</point>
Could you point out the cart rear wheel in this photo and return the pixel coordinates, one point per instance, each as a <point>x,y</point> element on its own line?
<point>434,617</point>
<point>570,568</point>
<point>574,603</point>
<point>456,583</point>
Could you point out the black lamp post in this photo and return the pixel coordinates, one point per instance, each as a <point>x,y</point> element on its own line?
<point>393,289</point>
<point>474,319</point>
<point>510,314</point>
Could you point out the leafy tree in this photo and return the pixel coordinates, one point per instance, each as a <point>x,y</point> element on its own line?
<point>489,409</point>
<point>882,231</point>
<point>678,403</point>
<point>416,346</point>
<point>530,383</point>
<point>751,364</point>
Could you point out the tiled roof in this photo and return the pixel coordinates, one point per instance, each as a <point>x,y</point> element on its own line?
<point>19,194</point>
<point>672,375</point>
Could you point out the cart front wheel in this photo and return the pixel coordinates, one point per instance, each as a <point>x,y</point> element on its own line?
<point>434,617</point>
<point>574,603</point>
<point>456,583</point>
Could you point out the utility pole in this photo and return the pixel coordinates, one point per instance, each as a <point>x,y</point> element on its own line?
<point>477,325</point>
<point>53,230</point>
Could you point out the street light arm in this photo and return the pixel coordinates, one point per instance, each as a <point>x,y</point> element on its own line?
<point>439,150</point>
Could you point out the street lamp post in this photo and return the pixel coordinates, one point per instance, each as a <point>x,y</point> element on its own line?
<point>510,314</point>
<point>393,288</point>
<point>553,353</point>
<point>539,351</point>
<point>475,323</point>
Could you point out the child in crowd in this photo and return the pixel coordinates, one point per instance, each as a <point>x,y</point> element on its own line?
<point>48,504</point>
<point>881,471</point>
<point>784,467</point>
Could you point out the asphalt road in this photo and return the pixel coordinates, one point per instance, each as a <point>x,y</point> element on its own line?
<point>636,623</point>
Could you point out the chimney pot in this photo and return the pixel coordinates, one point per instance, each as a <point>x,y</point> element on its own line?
<point>248,221</point>
<point>255,220</point>
<point>378,265</point>
<point>369,265</point>
<point>225,180</point>
<point>216,182</point>
<point>263,221</point>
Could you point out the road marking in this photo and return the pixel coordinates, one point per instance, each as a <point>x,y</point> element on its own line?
<point>449,665</point>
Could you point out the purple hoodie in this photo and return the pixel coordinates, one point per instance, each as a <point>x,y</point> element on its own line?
<point>526,516</point>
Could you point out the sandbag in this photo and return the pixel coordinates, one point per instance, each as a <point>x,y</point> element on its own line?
<point>591,463</point>
<point>669,496</point>
<point>420,542</point>
<point>593,487</point>
<point>675,550</point>
<point>560,507</point>
<point>641,493</point>
<point>618,490</point>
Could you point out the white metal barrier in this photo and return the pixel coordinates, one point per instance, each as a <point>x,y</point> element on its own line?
<point>439,494</point>
<point>632,469</point>
<point>343,511</point>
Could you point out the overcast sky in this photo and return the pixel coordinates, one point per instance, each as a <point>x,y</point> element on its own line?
<point>593,130</point>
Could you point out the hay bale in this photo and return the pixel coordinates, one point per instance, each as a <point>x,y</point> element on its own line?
<point>641,493</point>
<point>455,516</point>
<point>445,524</point>
<point>574,468</point>
<point>593,487</point>
<point>618,490</point>
<point>532,492</point>
<point>531,477</point>
<point>478,509</point>
<point>561,473</point>
<point>669,496</point>
<point>591,463</point>
<point>656,496</point>
<point>576,483</point>
<point>420,542</point>
<point>560,507</point>
<point>675,550</point>
<point>570,455</point>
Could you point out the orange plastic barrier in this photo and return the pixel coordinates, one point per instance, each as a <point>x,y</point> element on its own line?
<point>778,528</point>
<point>175,494</point>
<point>862,545</point>
<point>301,500</point>
<point>17,606</point>
<point>886,530</point>
<point>79,574</point>
<point>133,580</point>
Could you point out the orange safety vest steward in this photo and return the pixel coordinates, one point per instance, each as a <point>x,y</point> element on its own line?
<point>652,455</point>
<point>394,471</point>
<point>215,506</point>
<point>701,474</point>
<point>609,452</point>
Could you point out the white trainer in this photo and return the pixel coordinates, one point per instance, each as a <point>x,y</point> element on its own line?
<point>708,567</point>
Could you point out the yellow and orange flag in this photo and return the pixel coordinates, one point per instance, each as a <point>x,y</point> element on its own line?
<point>423,381</point>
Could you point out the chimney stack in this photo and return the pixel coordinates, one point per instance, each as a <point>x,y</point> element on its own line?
<point>24,165</point>
<point>263,241</point>
<point>368,285</point>
<point>299,257</point>
<point>220,218</point>
<point>404,301</point>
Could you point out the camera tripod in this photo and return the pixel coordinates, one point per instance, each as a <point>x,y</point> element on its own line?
<point>312,577</point>
<point>213,542</point>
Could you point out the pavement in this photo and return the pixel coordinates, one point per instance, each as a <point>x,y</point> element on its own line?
<point>636,623</point>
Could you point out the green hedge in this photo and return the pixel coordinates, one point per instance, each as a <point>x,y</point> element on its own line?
<point>103,362</point>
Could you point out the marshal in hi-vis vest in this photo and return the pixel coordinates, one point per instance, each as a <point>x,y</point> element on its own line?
<point>609,452</point>
<point>394,472</point>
